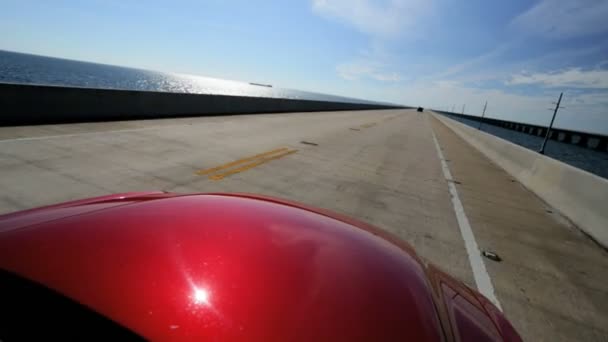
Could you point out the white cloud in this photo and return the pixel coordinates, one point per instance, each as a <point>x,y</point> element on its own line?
<point>448,94</point>
<point>388,18</point>
<point>446,84</point>
<point>383,21</point>
<point>360,69</point>
<point>570,78</point>
<point>583,111</point>
<point>564,18</point>
<point>475,61</point>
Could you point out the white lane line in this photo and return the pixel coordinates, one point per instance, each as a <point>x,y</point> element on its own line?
<point>482,278</point>
<point>45,137</point>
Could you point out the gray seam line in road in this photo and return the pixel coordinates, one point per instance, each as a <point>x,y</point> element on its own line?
<point>44,137</point>
<point>482,278</point>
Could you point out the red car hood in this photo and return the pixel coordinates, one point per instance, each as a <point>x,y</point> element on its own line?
<point>239,267</point>
<point>48,213</point>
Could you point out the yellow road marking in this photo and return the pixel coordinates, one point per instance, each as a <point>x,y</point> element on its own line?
<point>251,165</point>
<point>240,161</point>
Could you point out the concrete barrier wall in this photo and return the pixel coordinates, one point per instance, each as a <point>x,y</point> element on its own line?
<point>579,195</point>
<point>37,104</point>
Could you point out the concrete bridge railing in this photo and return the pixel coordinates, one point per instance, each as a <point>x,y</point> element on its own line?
<point>37,104</point>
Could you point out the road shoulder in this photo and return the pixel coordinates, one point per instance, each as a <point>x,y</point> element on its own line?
<point>552,279</point>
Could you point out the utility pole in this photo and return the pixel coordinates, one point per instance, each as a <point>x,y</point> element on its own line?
<point>463,108</point>
<point>542,147</point>
<point>482,115</point>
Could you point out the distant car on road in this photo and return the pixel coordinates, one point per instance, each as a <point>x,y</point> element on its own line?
<point>224,267</point>
<point>420,109</point>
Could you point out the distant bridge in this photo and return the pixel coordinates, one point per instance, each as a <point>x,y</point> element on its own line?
<point>589,140</point>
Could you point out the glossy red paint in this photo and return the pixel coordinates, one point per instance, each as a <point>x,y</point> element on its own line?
<point>239,267</point>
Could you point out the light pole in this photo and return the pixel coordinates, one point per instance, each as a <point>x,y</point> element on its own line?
<point>482,115</point>
<point>542,147</point>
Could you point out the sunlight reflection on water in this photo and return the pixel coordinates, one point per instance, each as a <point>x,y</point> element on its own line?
<point>30,69</point>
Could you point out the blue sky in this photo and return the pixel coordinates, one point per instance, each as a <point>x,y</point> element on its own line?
<point>518,55</point>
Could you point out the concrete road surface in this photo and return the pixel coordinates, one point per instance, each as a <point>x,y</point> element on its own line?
<point>382,167</point>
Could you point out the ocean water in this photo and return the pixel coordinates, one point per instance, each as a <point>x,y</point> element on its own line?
<point>592,161</point>
<point>32,69</point>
